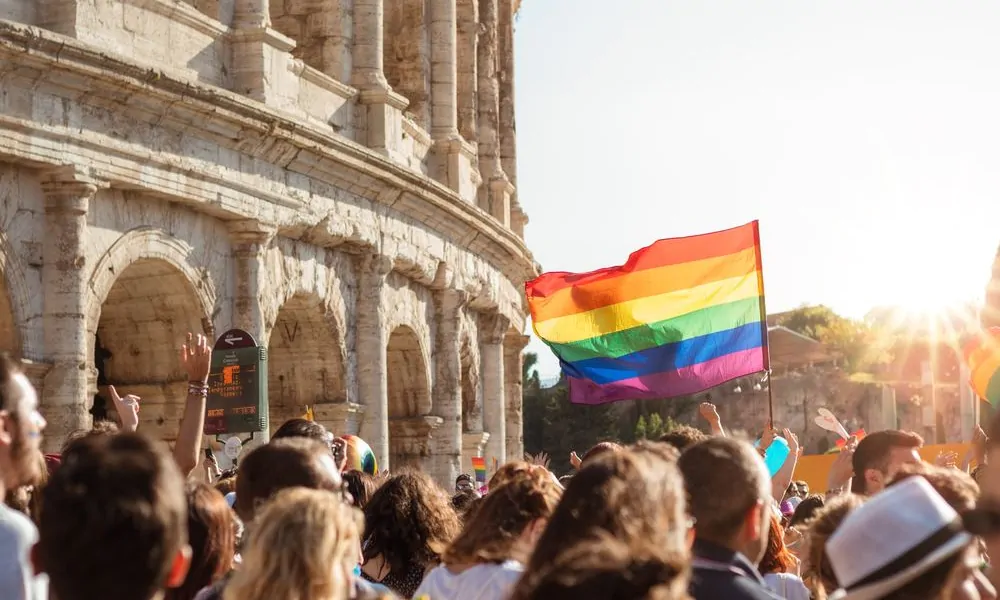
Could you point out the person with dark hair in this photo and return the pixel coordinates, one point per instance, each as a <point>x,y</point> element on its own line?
<point>601,566</point>
<point>302,428</point>
<point>283,463</point>
<point>682,437</point>
<point>729,492</point>
<point>409,522</point>
<point>114,521</point>
<point>806,510</point>
<point>879,455</point>
<point>212,536</point>
<point>21,463</point>
<point>462,502</point>
<point>635,495</point>
<point>361,486</point>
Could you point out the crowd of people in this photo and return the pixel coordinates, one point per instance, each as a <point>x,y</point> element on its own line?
<point>117,516</point>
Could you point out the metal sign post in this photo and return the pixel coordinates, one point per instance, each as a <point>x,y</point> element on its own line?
<point>237,385</point>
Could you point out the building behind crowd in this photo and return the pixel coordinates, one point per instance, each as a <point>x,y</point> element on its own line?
<point>337,178</point>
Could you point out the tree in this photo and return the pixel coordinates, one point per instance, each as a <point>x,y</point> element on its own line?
<point>640,428</point>
<point>529,372</point>
<point>861,345</point>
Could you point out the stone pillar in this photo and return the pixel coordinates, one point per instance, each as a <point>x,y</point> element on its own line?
<point>508,138</point>
<point>261,56</point>
<point>513,349</point>
<point>453,155</point>
<point>250,240</point>
<point>68,193</point>
<point>494,195</point>
<point>371,339</point>
<point>384,112</point>
<point>340,418</point>
<point>448,305</point>
<point>473,444</point>
<point>492,330</point>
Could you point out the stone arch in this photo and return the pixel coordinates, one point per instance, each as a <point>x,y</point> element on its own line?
<point>323,32</point>
<point>406,55</point>
<point>472,399</point>
<point>467,53</point>
<point>14,301</point>
<point>146,296</point>
<point>306,360</point>
<point>409,376</point>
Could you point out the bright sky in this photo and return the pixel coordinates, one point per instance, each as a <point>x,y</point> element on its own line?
<point>864,135</point>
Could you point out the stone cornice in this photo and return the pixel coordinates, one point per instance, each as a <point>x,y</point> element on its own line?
<point>321,155</point>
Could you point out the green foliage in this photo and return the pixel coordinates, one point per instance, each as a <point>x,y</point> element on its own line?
<point>653,428</point>
<point>861,345</point>
<point>640,428</point>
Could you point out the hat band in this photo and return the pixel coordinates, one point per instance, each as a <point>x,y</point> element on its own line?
<point>912,556</point>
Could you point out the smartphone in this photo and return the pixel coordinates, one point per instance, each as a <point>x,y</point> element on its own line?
<point>209,454</point>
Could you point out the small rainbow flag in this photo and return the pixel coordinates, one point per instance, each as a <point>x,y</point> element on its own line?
<point>479,465</point>
<point>681,316</point>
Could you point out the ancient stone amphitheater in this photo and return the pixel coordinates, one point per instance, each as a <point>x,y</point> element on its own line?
<point>336,177</point>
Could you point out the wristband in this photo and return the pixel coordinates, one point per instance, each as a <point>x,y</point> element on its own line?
<point>197,388</point>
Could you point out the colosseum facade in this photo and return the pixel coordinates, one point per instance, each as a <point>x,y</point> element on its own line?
<point>336,177</point>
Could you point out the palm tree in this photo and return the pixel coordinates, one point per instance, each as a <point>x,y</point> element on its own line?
<point>529,372</point>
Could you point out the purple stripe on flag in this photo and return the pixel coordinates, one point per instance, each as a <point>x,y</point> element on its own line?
<point>669,384</point>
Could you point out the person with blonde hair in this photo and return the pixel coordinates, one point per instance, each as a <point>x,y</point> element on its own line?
<point>488,556</point>
<point>303,546</point>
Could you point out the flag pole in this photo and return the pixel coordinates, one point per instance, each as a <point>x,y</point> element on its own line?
<point>763,324</point>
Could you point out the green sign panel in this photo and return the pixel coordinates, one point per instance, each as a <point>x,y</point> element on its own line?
<point>237,385</point>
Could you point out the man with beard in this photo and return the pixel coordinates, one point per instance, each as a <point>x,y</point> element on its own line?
<point>20,461</point>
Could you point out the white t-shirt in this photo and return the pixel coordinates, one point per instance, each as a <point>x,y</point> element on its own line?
<point>482,582</point>
<point>787,586</point>
<point>17,580</point>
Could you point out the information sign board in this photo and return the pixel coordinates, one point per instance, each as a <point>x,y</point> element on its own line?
<point>237,385</point>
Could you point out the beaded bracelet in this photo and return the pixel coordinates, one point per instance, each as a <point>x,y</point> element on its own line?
<point>197,388</point>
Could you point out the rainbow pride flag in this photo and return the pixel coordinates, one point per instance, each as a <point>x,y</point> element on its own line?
<point>479,466</point>
<point>681,316</point>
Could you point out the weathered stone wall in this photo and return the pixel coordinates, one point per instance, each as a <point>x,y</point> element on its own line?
<point>188,168</point>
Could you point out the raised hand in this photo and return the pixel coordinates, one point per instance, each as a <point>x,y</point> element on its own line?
<point>842,468</point>
<point>709,412</point>
<point>946,459</point>
<point>127,407</point>
<point>793,442</point>
<point>574,460</point>
<point>768,437</point>
<point>196,357</point>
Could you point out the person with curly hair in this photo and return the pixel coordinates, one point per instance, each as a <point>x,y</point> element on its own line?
<point>488,556</point>
<point>409,522</point>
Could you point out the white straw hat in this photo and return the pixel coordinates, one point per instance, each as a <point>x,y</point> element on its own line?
<point>897,536</point>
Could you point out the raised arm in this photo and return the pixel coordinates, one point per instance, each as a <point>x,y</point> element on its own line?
<point>196,357</point>
<point>781,479</point>
<point>710,414</point>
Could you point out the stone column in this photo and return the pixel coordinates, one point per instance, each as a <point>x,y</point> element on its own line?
<point>250,240</point>
<point>453,155</point>
<point>473,444</point>
<point>261,56</point>
<point>371,339</point>
<point>508,137</point>
<point>492,329</point>
<point>495,193</point>
<point>448,305</point>
<point>514,391</point>
<point>384,114</point>
<point>68,193</point>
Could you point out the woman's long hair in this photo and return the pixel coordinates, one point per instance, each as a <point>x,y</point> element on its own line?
<point>777,558</point>
<point>409,520</point>
<point>493,533</point>
<point>636,495</point>
<point>212,536</point>
<point>303,545</point>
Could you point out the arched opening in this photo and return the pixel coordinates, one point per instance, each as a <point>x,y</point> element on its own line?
<point>305,361</point>
<point>406,55</point>
<point>409,399</point>
<point>323,33</point>
<point>468,85</point>
<point>144,320</point>
<point>472,401</point>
